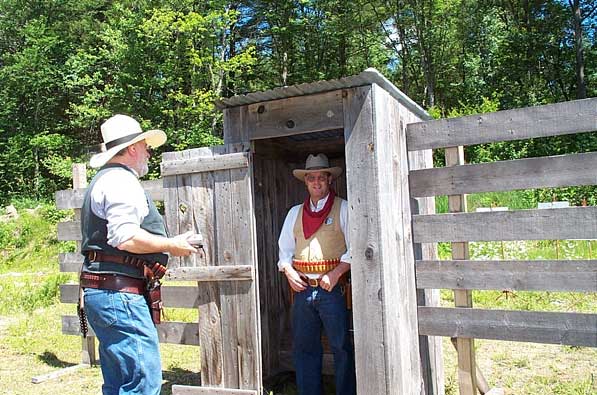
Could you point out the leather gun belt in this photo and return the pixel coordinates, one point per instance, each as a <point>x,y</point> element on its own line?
<point>113,282</point>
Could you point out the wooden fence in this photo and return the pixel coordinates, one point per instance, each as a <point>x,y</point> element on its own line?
<point>459,227</point>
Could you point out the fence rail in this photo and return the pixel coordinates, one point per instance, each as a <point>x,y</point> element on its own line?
<point>554,275</point>
<point>544,172</point>
<point>73,198</point>
<point>537,224</point>
<point>541,121</point>
<point>573,329</point>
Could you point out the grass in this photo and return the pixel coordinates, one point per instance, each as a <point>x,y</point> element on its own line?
<point>32,344</point>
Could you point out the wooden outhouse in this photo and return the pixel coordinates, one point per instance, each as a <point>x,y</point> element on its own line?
<point>237,195</point>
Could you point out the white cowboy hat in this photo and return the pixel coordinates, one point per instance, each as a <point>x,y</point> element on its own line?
<point>119,132</point>
<point>314,163</point>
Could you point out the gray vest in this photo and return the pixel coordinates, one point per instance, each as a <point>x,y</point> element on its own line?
<point>94,231</point>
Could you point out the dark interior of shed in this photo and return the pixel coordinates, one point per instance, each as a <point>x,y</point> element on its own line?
<point>276,190</point>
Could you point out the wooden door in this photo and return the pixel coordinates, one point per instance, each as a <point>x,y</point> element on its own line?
<point>209,190</point>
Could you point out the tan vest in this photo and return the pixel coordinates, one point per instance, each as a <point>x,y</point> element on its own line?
<point>321,252</point>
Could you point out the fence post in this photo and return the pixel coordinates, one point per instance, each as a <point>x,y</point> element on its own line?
<point>465,347</point>
<point>80,181</point>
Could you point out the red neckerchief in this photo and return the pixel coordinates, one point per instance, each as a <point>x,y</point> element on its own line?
<point>312,221</point>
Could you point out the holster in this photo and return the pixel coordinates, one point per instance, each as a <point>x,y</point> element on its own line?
<point>153,296</point>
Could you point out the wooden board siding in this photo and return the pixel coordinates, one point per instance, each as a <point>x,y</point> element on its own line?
<point>538,224</point>
<point>73,198</point>
<point>546,172</point>
<point>215,198</point>
<point>379,210</point>
<point>541,121</point>
<point>573,275</point>
<point>573,329</point>
<point>295,115</point>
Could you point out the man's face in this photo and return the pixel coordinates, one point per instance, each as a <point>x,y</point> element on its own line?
<point>318,184</point>
<point>141,155</point>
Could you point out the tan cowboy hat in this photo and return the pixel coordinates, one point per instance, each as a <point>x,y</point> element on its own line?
<point>314,163</point>
<point>119,132</point>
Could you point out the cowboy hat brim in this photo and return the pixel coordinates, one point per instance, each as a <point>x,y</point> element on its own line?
<point>153,138</point>
<point>300,173</point>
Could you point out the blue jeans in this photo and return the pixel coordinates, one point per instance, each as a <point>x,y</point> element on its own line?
<point>128,342</point>
<point>314,309</point>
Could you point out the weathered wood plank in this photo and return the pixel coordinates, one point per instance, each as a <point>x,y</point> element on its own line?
<point>236,128</point>
<point>296,115</point>
<point>548,120</point>
<point>69,230</point>
<point>191,390</point>
<point>88,355</point>
<point>226,242</point>
<point>365,271</point>
<point>546,172</point>
<point>544,224</point>
<point>58,373</point>
<point>204,164</point>
<point>574,329</point>
<point>168,332</point>
<point>248,329</point>
<point>574,276</point>
<point>465,347</point>
<point>70,262</point>
<point>211,273</point>
<point>73,198</point>
<point>199,190</point>
<point>172,296</point>
<point>396,245</point>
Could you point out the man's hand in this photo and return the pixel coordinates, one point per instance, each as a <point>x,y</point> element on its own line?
<point>329,280</point>
<point>180,245</point>
<point>294,279</point>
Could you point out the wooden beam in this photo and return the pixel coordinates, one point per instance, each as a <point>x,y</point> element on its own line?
<point>73,198</point>
<point>58,373</point>
<point>573,275</point>
<point>546,172</point>
<point>573,329</point>
<point>211,273</point>
<point>296,115</point>
<point>465,347</point>
<point>191,390</point>
<point>184,297</point>
<point>541,121</point>
<point>169,332</point>
<point>537,224</point>
<point>202,164</point>
<point>386,337</point>
<point>70,262</point>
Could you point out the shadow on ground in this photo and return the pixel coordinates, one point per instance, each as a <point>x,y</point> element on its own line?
<point>178,376</point>
<point>49,358</point>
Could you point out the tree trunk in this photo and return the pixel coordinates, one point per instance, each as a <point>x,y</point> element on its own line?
<point>581,87</point>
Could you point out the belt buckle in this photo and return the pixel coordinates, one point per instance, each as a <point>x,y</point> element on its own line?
<point>313,282</point>
<point>91,255</point>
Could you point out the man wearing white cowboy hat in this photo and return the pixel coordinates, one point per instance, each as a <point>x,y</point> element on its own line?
<point>314,256</point>
<point>124,242</point>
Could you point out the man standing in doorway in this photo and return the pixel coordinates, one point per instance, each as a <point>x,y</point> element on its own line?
<point>124,242</point>
<point>314,256</point>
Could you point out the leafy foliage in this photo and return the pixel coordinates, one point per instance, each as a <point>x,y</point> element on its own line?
<point>65,66</point>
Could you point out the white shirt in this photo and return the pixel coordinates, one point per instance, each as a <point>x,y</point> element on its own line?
<point>287,243</point>
<point>118,197</point>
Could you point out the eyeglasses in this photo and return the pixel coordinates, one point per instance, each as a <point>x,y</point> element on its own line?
<point>312,178</point>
